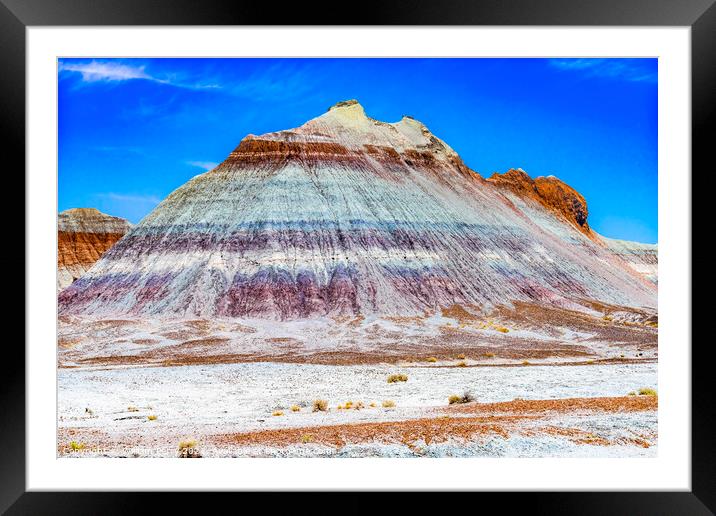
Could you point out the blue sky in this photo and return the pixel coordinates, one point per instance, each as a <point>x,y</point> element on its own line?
<point>133,130</point>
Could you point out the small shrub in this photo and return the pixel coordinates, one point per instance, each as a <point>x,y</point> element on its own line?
<point>132,409</point>
<point>525,362</point>
<point>395,378</point>
<point>277,413</point>
<point>462,364</point>
<point>502,329</point>
<point>295,408</point>
<point>461,356</point>
<point>306,438</point>
<point>432,359</point>
<point>75,446</point>
<point>372,404</point>
<point>467,397</point>
<point>388,404</point>
<point>320,405</point>
<point>358,406</point>
<point>340,407</point>
<point>188,450</point>
<point>632,393</point>
<point>348,404</point>
<point>152,417</point>
<point>646,391</point>
<point>489,355</point>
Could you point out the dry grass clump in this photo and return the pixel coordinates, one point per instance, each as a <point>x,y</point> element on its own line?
<point>462,364</point>
<point>350,405</point>
<point>372,404</point>
<point>395,378</point>
<point>467,397</point>
<point>320,405</point>
<point>277,413</point>
<point>388,404</point>
<point>295,408</point>
<point>525,362</point>
<point>461,356</point>
<point>431,359</point>
<point>489,355</point>
<point>632,393</point>
<point>152,417</point>
<point>75,446</point>
<point>306,438</point>
<point>647,391</point>
<point>188,450</point>
<point>502,329</point>
<point>132,409</point>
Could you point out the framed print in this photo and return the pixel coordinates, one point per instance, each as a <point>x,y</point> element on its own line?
<point>428,250</point>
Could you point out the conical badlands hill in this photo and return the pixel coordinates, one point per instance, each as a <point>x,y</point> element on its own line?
<point>349,215</point>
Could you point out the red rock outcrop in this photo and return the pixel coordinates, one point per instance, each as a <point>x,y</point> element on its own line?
<point>552,193</point>
<point>83,236</point>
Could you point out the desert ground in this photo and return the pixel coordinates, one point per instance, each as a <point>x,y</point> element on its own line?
<point>524,381</point>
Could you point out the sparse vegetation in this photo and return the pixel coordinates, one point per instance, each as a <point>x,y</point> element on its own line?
<point>395,378</point>
<point>75,446</point>
<point>188,450</point>
<point>467,397</point>
<point>647,391</point>
<point>295,408</point>
<point>388,404</point>
<point>432,359</point>
<point>277,413</point>
<point>152,417</point>
<point>320,405</point>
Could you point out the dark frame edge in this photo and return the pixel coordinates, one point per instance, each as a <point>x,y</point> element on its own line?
<point>12,134</point>
<point>703,113</point>
<point>702,498</point>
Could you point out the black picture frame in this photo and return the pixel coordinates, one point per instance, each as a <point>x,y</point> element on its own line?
<point>700,15</point>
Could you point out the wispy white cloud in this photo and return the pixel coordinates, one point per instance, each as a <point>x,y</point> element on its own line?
<point>117,71</point>
<point>625,69</point>
<point>279,80</point>
<point>108,71</point>
<point>205,165</point>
